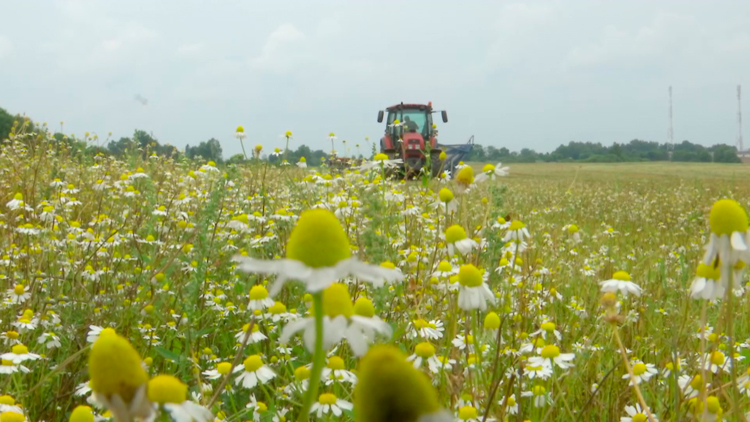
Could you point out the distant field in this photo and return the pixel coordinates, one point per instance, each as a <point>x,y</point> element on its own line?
<point>587,171</point>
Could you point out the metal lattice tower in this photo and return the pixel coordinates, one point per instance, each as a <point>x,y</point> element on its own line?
<point>740,146</point>
<point>670,130</point>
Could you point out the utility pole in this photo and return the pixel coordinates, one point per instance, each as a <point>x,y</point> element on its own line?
<point>670,130</point>
<point>740,146</point>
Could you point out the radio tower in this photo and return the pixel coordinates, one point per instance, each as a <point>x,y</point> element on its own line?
<point>670,130</point>
<point>740,146</point>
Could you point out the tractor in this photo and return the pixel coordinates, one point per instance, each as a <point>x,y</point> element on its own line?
<point>411,136</point>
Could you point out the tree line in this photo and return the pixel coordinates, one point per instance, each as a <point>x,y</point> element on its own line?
<point>145,143</point>
<point>594,152</point>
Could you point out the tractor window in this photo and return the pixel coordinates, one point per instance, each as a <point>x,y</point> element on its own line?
<point>418,120</point>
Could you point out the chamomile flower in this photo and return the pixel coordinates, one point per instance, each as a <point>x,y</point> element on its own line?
<point>517,233</point>
<point>456,238</point>
<point>259,299</point>
<point>335,371</point>
<point>318,254</point>
<point>255,334</point>
<point>19,353</point>
<point>539,395</point>
<point>550,355</point>
<point>707,284</point>
<point>18,294</point>
<point>716,361</point>
<point>636,414</point>
<point>221,370</point>
<point>473,292</point>
<point>329,403</point>
<point>641,372</point>
<point>490,172</point>
<point>620,281</point>
<point>171,394</point>
<point>340,322</point>
<point>253,372</point>
<point>425,352</point>
<point>730,235</point>
<point>389,385</point>
<point>118,379</point>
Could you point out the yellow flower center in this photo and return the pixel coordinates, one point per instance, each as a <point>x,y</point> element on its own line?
<point>19,289</point>
<point>388,264</point>
<point>82,414</point>
<point>318,240</point>
<point>11,334</point>
<point>538,390</point>
<point>516,225</point>
<point>727,216</point>
<point>336,363</point>
<point>549,326</point>
<point>19,349</point>
<point>327,398</point>
<point>167,389</point>
<point>465,175</point>
<point>488,168</point>
<point>258,292</point>
<point>12,417</point>
<point>253,363</point>
<point>240,129</point>
<point>717,358</point>
<point>640,417</point>
<point>470,276</point>
<point>409,393</point>
<point>455,233</point>
<point>336,301</point>
<point>639,368</point>
<point>708,271</point>
<point>7,362</point>
<point>444,266</point>
<point>572,228</point>
<point>445,195</point>
<point>277,308</point>
<point>302,373</point>
<point>621,275</point>
<point>697,382</point>
<point>511,401</point>
<point>18,196</point>
<point>550,351</point>
<point>115,367</point>
<point>364,307</point>
<point>467,412</point>
<point>380,157</point>
<point>492,321</point>
<point>7,400</point>
<point>424,350</point>
<point>224,367</point>
<point>261,407</point>
<point>443,156</point>
<point>713,405</point>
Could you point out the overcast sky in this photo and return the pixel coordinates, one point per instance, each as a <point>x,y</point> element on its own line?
<point>515,74</point>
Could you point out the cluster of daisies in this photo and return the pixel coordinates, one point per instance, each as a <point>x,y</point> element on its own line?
<point>155,287</point>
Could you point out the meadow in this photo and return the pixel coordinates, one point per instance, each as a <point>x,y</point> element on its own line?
<point>143,257</point>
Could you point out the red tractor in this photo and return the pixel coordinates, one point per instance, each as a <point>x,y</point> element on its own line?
<point>411,136</point>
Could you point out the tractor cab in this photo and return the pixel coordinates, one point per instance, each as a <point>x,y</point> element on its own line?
<point>410,134</point>
<point>410,124</point>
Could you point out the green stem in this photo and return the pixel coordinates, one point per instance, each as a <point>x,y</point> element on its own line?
<point>243,149</point>
<point>318,359</point>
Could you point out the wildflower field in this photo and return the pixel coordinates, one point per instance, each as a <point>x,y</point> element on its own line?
<point>159,288</point>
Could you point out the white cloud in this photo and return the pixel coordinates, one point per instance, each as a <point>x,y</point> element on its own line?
<point>285,50</point>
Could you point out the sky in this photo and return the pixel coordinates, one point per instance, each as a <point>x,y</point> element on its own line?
<point>515,74</point>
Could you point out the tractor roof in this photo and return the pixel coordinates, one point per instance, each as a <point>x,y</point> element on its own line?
<point>410,106</point>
